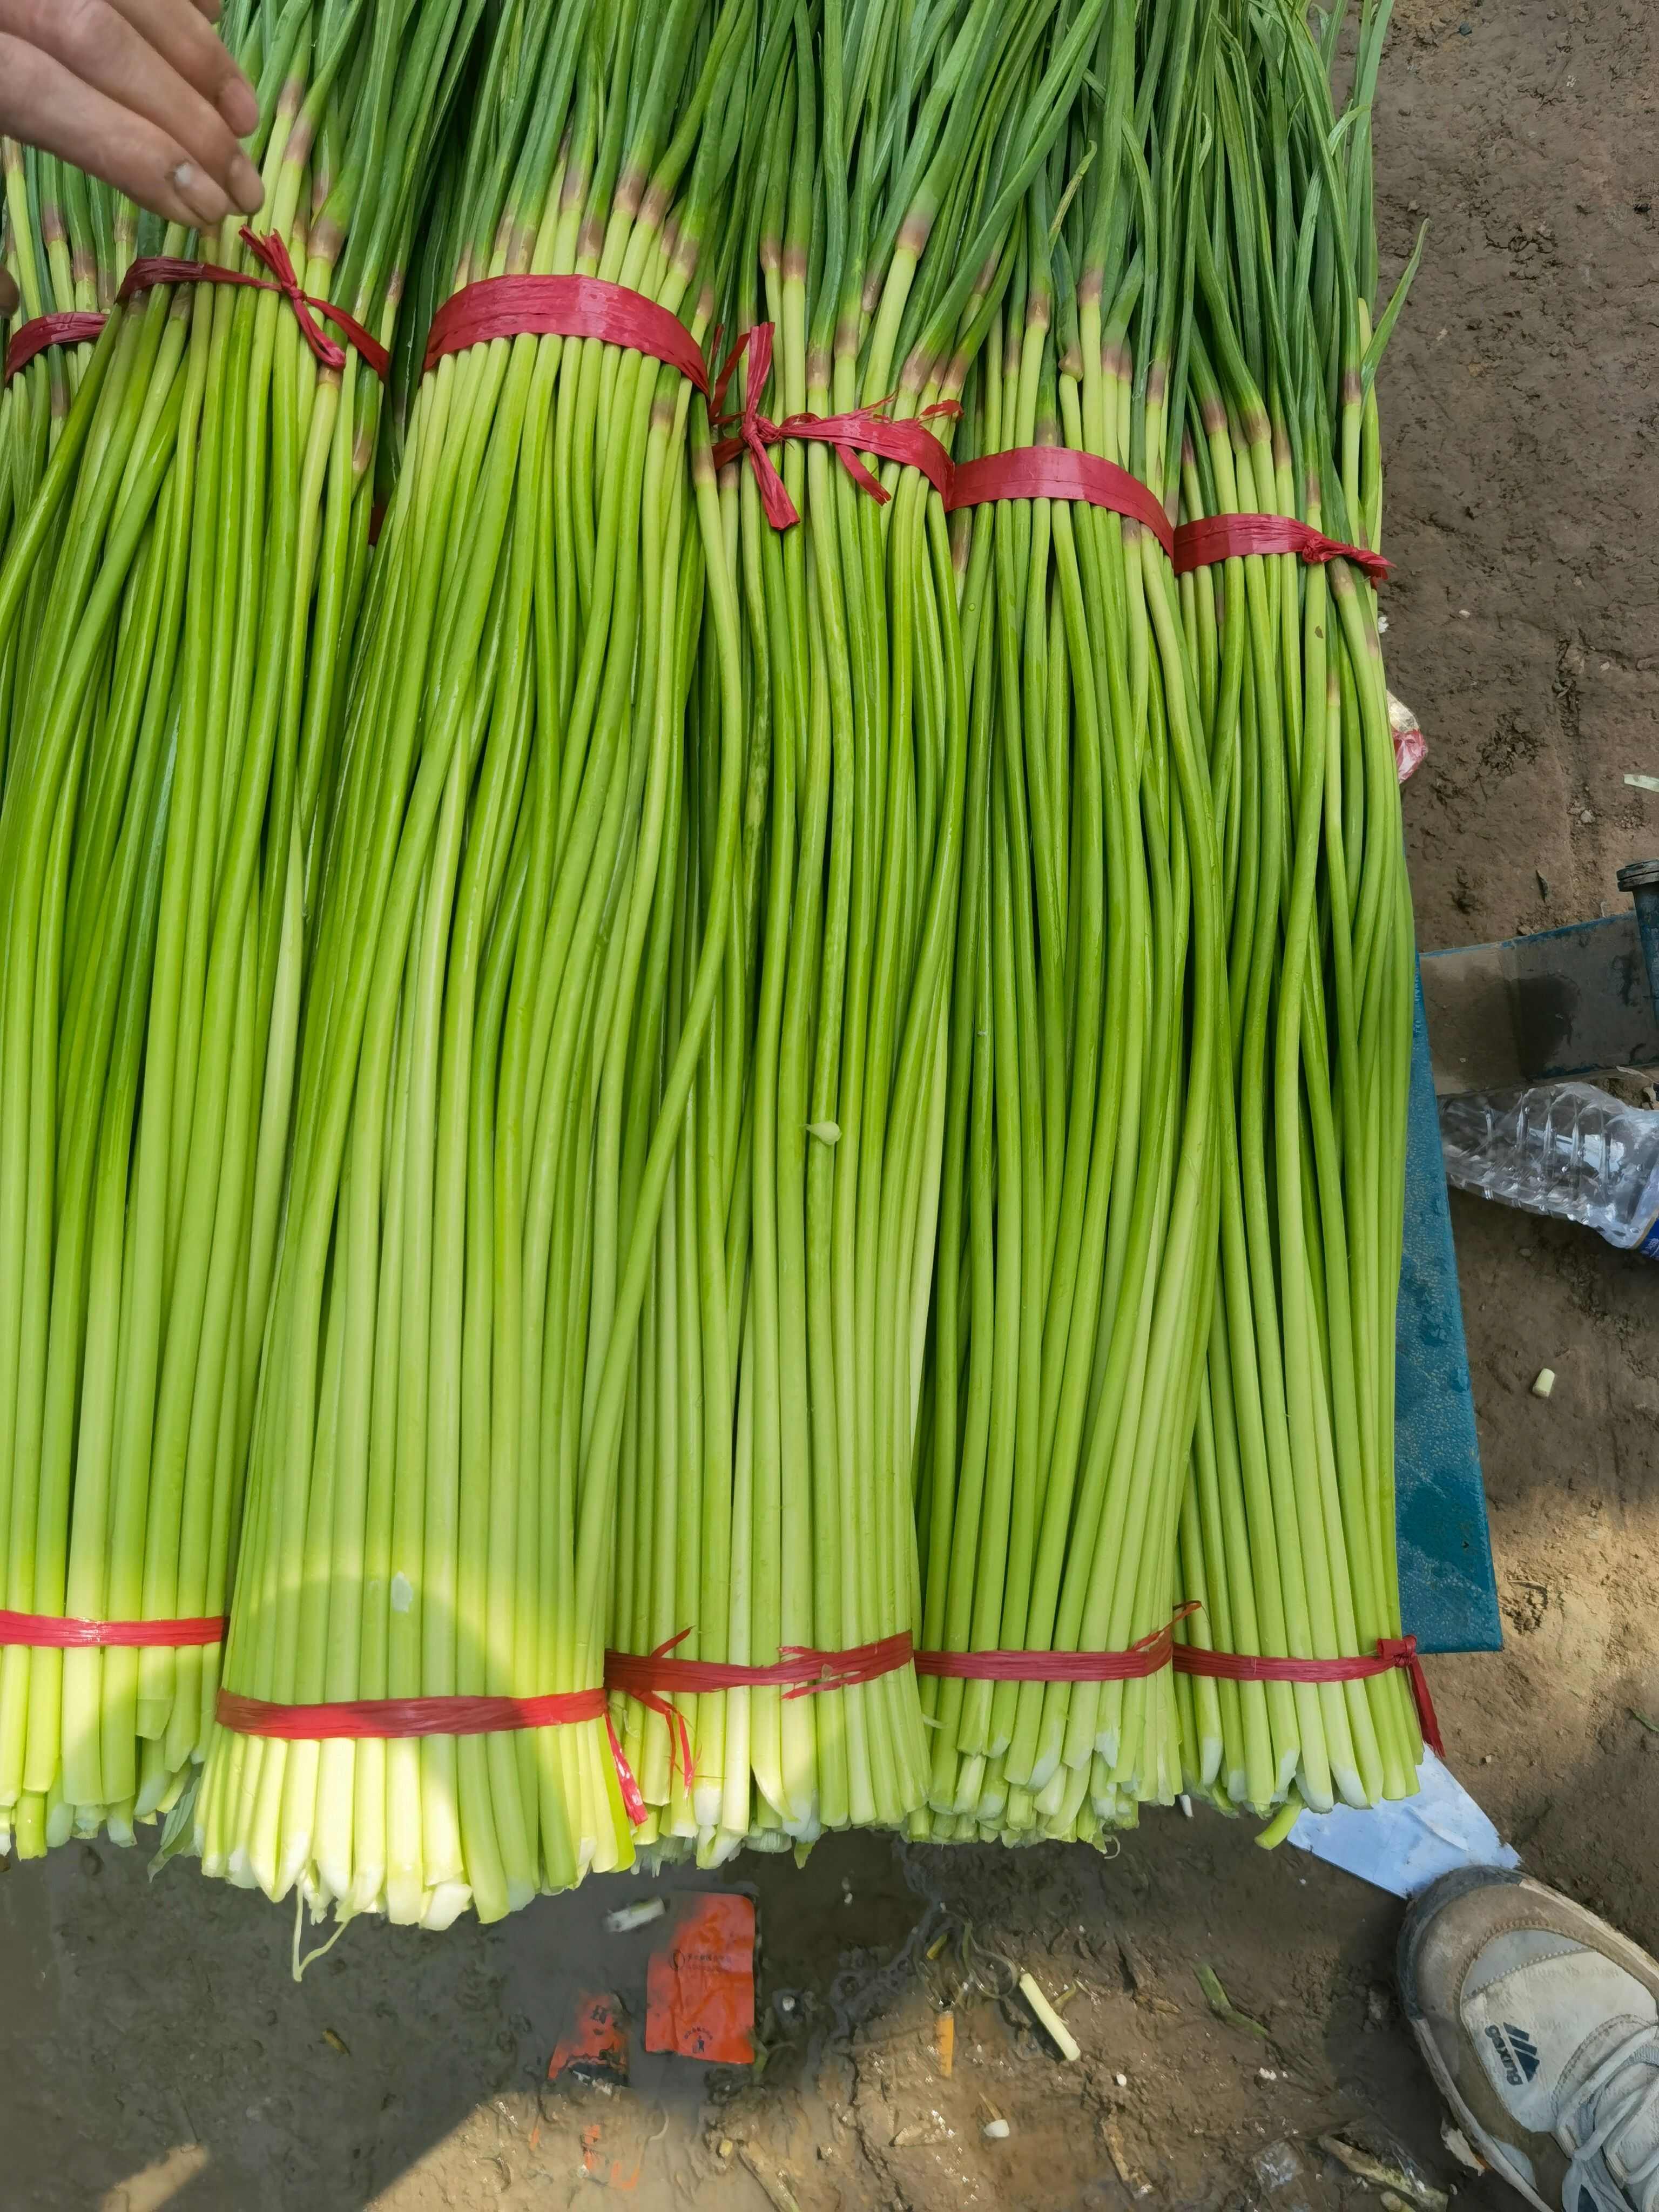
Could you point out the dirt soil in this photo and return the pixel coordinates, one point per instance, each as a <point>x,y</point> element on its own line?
<point>153,2049</point>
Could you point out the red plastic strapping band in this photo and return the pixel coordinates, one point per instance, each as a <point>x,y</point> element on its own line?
<point>641,1679</point>
<point>1060,472</point>
<point>1231,536</point>
<point>633,1798</point>
<point>369,1719</point>
<point>270,253</point>
<point>1145,1658</point>
<point>49,330</point>
<point>45,1632</point>
<point>1392,1652</point>
<point>862,430</point>
<point>844,1670</point>
<point>563,308</point>
<point>801,1670</point>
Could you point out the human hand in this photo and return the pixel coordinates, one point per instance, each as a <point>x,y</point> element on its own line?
<point>140,93</point>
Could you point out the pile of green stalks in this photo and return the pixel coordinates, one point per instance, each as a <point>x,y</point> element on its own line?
<point>639,1073</point>
<point>770,1457</point>
<point>476,1181</point>
<point>1288,1524</point>
<point>180,591</point>
<point>1170,1338</point>
<point>1076,1251</point>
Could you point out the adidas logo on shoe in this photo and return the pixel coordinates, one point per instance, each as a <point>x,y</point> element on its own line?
<point>1517,2054</point>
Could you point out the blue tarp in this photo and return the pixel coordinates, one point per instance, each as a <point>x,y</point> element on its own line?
<point>1448,1593</point>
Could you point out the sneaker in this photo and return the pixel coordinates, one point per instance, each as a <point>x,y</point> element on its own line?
<point>1540,2024</point>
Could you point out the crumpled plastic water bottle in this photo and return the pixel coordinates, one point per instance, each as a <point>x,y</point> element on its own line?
<point>1563,1148</point>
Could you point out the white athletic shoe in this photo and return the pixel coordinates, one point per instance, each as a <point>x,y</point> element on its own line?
<point>1540,2024</point>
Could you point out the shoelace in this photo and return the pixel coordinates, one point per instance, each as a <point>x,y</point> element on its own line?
<point>1589,2174</point>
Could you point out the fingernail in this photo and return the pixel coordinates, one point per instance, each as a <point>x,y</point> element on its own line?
<point>246,184</point>
<point>239,106</point>
<point>200,195</point>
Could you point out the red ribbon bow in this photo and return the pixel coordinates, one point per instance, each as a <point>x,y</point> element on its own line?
<point>863,430</point>
<point>269,251</point>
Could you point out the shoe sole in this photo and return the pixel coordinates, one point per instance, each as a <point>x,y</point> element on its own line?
<point>1424,1909</point>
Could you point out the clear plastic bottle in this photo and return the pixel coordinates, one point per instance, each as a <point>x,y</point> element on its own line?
<point>1561,1148</point>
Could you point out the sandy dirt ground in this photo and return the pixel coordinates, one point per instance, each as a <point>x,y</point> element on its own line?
<point>153,2051</point>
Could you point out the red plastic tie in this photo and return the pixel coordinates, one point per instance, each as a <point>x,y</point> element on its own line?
<point>1061,473</point>
<point>1232,537</point>
<point>801,1670</point>
<point>49,330</point>
<point>1147,1657</point>
<point>563,308</point>
<point>1392,1652</point>
<point>643,1680</point>
<point>45,1632</point>
<point>862,430</point>
<point>371,1719</point>
<point>270,252</point>
<point>845,1670</point>
<point>632,1796</point>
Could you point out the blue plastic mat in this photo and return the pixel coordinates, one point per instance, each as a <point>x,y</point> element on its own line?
<point>1448,1592</point>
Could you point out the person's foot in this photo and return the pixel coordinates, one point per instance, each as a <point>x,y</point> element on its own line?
<point>1540,2024</point>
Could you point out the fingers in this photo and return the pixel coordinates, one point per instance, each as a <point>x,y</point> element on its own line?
<point>176,31</point>
<point>42,102</point>
<point>160,60</point>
